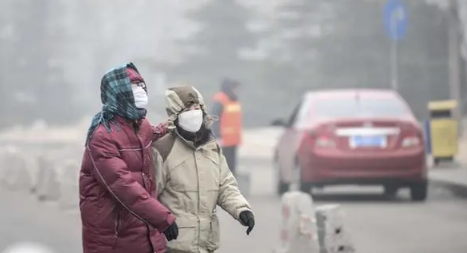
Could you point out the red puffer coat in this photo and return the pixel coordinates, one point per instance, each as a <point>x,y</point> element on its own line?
<point>119,209</point>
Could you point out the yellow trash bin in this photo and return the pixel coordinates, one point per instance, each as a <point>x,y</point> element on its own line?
<point>443,130</point>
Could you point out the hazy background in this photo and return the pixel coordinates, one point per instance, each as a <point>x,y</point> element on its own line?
<point>54,53</point>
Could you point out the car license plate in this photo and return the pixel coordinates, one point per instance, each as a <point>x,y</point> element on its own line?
<point>368,141</point>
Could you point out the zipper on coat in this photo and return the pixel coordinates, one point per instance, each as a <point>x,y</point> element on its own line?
<point>110,189</point>
<point>116,229</point>
<point>144,182</point>
<point>199,198</point>
<point>117,224</point>
<point>142,156</point>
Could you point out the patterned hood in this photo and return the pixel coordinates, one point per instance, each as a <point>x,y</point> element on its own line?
<point>117,99</point>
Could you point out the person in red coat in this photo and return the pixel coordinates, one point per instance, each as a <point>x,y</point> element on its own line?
<point>119,209</point>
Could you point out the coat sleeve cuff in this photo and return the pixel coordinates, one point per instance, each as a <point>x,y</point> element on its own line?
<point>159,131</point>
<point>170,220</point>
<point>240,210</point>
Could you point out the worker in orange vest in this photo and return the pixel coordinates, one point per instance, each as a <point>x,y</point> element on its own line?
<point>228,129</point>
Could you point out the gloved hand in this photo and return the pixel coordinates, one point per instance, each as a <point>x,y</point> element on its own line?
<point>248,220</point>
<point>159,131</point>
<point>171,233</point>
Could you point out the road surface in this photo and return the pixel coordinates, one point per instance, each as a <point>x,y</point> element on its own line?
<point>376,224</point>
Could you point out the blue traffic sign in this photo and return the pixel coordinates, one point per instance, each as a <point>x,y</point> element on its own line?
<point>395,19</point>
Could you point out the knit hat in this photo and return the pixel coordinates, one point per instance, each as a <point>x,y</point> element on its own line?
<point>134,76</point>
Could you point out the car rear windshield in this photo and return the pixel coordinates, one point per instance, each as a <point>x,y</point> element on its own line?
<point>363,107</point>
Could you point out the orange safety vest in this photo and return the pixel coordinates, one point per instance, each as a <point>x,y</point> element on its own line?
<point>230,120</point>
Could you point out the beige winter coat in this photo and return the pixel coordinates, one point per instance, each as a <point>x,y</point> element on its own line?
<point>191,183</point>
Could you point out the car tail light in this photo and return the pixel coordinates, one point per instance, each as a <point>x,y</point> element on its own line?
<point>325,142</point>
<point>412,141</point>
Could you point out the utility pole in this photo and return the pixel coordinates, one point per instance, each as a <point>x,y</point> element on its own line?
<point>454,57</point>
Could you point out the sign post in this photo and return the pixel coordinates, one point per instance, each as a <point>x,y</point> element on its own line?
<point>395,23</point>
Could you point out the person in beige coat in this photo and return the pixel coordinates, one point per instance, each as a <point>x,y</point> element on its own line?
<point>193,177</point>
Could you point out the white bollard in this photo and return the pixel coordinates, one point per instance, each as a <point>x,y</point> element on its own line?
<point>42,163</point>
<point>33,167</point>
<point>15,173</point>
<point>47,187</point>
<point>332,234</point>
<point>69,185</point>
<point>298,228</point>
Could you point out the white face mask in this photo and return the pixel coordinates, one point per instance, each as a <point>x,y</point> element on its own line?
<point>141,97</point>
<point>191,121</point>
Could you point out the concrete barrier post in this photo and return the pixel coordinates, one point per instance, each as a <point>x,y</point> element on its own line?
<point>47,187</point>
<point>332,233</point>
<point>298,226</point>
<point>15,173</point>
<point>42,163</point>
<point>69,185</point>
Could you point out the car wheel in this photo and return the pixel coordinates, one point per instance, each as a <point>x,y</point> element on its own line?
<point>281,187</point>
<point>306,188</point>
<point>390,191</point>
<point>419,191</point>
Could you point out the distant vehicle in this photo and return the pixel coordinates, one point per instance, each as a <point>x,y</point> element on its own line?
<point>352,137</point>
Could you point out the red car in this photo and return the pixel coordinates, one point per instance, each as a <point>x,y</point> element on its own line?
<point>352,137</point>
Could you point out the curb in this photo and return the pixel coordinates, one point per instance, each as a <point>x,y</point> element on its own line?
<point>456,188</point>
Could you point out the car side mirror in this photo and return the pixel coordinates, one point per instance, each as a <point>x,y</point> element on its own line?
<point>278,122</point>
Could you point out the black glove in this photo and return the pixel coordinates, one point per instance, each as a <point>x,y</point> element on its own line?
<point>171,233</point>
<point>248,220</point>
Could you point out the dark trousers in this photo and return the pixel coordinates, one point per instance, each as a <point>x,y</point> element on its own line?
<point>230,154</point>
